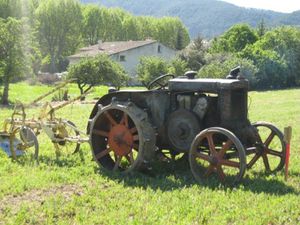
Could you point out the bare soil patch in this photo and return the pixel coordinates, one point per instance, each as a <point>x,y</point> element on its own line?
<point>39,196</point>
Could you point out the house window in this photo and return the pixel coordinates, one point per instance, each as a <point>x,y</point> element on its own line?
<point>122,58</point>
<point>159,49</point>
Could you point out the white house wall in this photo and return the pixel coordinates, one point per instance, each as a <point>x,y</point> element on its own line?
<point>133,56</point>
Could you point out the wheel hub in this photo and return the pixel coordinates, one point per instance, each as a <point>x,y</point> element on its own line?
<point>120,140</point>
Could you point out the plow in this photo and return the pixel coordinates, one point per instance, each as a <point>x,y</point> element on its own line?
<point>20,133</point>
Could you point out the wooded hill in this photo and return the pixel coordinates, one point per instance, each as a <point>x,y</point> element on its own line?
<point>206,17</point>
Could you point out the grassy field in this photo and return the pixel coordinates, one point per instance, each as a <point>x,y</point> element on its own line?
<point>72,190</point>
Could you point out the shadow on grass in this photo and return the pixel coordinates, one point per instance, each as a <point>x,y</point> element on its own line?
<point>66,160</point>
<point>168,177</point>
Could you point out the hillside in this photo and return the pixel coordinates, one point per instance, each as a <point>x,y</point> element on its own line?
<point>206,17</point>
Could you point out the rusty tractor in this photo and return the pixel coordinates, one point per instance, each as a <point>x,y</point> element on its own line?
<point>205,119</point>
<point>20,133</point>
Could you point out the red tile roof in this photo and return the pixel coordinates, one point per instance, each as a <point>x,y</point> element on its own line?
<point>110,48</point>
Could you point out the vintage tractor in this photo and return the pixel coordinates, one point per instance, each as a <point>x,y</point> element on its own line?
<point>206,119</point>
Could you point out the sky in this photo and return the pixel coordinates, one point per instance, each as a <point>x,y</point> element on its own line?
<point>275,5</point>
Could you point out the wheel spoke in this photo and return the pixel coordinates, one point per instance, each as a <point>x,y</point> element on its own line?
<point>100,133</point>
<point>275,153</point>
<point>266,162</point>
<point>102,153</point>
<point>211,144</point>
<point>209,171</point>
<point>201,156</point>
<point>221,173</point>
<point>253,160</point>
<point>225,147</point>
<point>117,163</point>
<point>124,119</point>
<point>109,117</point>
<point>270,138</point>
<point>229,163</point>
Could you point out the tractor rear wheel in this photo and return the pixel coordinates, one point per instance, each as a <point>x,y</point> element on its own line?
<point>121,137</point>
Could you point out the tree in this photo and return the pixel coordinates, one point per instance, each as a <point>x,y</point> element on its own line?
<point>58,26</point>
<point>234,40</point>
<point>277,55</point>
<point>178,67</point>
<point>171,32</point>
<point>194,54</point>
<point>219,66</point>
<point>261,29</point>
<point>10,8</point>
<point>112,20</point>
<point>12,59</point>
<point>150,68</point>
<point>92,24</point>
<point>90,72</point>
<point>131,28</point>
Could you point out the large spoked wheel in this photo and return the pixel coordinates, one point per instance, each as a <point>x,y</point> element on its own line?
<point>160,82</point>
<point>217,151</point>
<point>121,138</point>
<point>29,140</point>
<point>66,138</point>
<point>270,147</point>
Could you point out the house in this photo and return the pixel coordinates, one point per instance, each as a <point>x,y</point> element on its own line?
<point>126,53</point>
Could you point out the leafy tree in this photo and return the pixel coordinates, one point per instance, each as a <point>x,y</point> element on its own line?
<point>95,71</point>
<point>113,29</point>
<point>171,32</point>
<point>194,54</point>
<point>58,26</point>
<point>271,67</point>
<point>150,68</point>
<point>178,67</point>
<point>10,8</point>
<point>261,29</point>
<point>92,24</point>
<point>234,40</point>
<point>131,28</point>
<point>219,66</point>
<point>277,55</point>
<point>12,59</point>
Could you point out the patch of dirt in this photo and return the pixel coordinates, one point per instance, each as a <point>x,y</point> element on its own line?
<point>39,196</point>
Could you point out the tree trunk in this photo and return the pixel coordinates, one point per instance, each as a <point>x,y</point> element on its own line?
<point>52,63</point>
<point>82,98</point>
<point>4,100</point>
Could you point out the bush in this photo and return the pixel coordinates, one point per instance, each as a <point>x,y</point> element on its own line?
<point>95,71</point>
<point>150,68</point>
<point>178,67</point>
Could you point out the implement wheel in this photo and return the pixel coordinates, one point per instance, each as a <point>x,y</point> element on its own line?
<point>270,147</point>
<point>29,140</point>
<point>121,137</point>
<point>217,151</point>
<point>64,131</point>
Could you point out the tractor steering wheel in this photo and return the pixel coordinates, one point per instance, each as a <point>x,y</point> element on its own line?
<point>160,82</point>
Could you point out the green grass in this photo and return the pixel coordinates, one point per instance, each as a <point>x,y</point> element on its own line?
<point>72,191</point>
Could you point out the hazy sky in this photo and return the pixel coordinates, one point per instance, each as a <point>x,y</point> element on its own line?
<point>276,5</point>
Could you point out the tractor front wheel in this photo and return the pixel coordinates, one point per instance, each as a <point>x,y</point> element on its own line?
<point>217,151</point>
